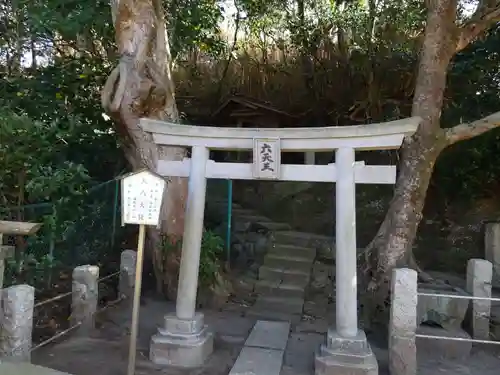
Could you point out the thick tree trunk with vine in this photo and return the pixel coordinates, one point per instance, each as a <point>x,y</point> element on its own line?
<point>392,245</point>
<point>141,86</point>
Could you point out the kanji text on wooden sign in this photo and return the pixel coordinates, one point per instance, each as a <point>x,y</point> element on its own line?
<point>142,194</point>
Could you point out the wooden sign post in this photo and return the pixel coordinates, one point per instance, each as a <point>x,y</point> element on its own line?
<point>142,194</point>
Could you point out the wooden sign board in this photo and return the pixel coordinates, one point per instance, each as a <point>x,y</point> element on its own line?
<point>142,194</point>
<point>20,228</point>
<point>266,158</point>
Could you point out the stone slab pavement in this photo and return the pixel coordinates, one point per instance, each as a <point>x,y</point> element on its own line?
<point>26,369</point>
<point>271,335</point>
<point>263,350</point>
<point>258,361</point>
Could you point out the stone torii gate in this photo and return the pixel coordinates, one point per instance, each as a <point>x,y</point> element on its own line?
<point>185,340</point>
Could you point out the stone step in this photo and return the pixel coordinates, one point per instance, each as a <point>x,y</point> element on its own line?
<point>287,262</point>
<point>272,226</point>
<point>279,289</point>
<point>302,239</point>
<point>243,211</point>
<point>293,251</point>
<point>223,202</point>
<point>258,313</point>
<point>287,276</point>
<point>251,218</point>
<point>280,304</point>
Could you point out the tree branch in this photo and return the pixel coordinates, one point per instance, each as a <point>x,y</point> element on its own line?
<point>485,16</point>
<point>465,131</point>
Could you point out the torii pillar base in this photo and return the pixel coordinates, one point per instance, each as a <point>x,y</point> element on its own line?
<point>182,343</point>
<point>345,356</point>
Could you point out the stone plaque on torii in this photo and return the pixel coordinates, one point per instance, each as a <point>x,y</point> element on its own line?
<point>185,340</point>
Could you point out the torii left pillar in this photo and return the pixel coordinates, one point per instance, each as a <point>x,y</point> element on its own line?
<point>185,340</point>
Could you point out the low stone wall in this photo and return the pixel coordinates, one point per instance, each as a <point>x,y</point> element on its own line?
<point>408,310</point>
<point>17,304</point>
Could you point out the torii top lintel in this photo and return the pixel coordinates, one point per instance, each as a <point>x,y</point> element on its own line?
<point>387,135</point>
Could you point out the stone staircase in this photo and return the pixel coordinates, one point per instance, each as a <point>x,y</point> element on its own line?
<point>286,269</point>
<point>284,276</point>
<point>281,286</point>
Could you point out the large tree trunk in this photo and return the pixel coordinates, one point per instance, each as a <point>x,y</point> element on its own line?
<point>392,245</point>
<point>141,86</point>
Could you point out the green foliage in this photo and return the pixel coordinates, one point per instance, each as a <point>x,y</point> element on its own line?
<point>30,270</point>
<point>212,248</point>
<point>194,25</point>
<point>40,182</point>
<point>77,229</point>
<point>57,148</point>
<point>470,169</point>
<point>33,162</point>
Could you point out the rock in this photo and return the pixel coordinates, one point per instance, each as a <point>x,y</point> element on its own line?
<point>254,270</point>
<point>320,277</point>
<point>326,251</point>
<point>316,309</point>
<point>239,258</point>
<point>244,286</point>
<point>249,250</point>
<point>261,244</point>
<point>241,226</point>
<point>221,290</point>
<point>221,230</point>
<point>238,238</point>
<point>448,312</point>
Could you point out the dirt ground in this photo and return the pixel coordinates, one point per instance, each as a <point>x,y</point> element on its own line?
<point>106,352</point>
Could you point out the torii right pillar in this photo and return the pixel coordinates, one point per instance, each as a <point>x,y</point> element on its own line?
<point>346,351</point>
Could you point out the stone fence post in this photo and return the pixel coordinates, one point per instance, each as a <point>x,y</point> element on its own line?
<point>85,297</point>
<point>492,249</point>
<point>128,261</point>
<point>403,323</point>
<point>16,323</point>
<point>479,276</point>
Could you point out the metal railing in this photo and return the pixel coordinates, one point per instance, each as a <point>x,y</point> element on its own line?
<point>458,296</point>
<point>463,339</point>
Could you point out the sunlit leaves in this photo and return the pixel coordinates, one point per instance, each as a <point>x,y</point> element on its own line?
<point>194,24</point>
